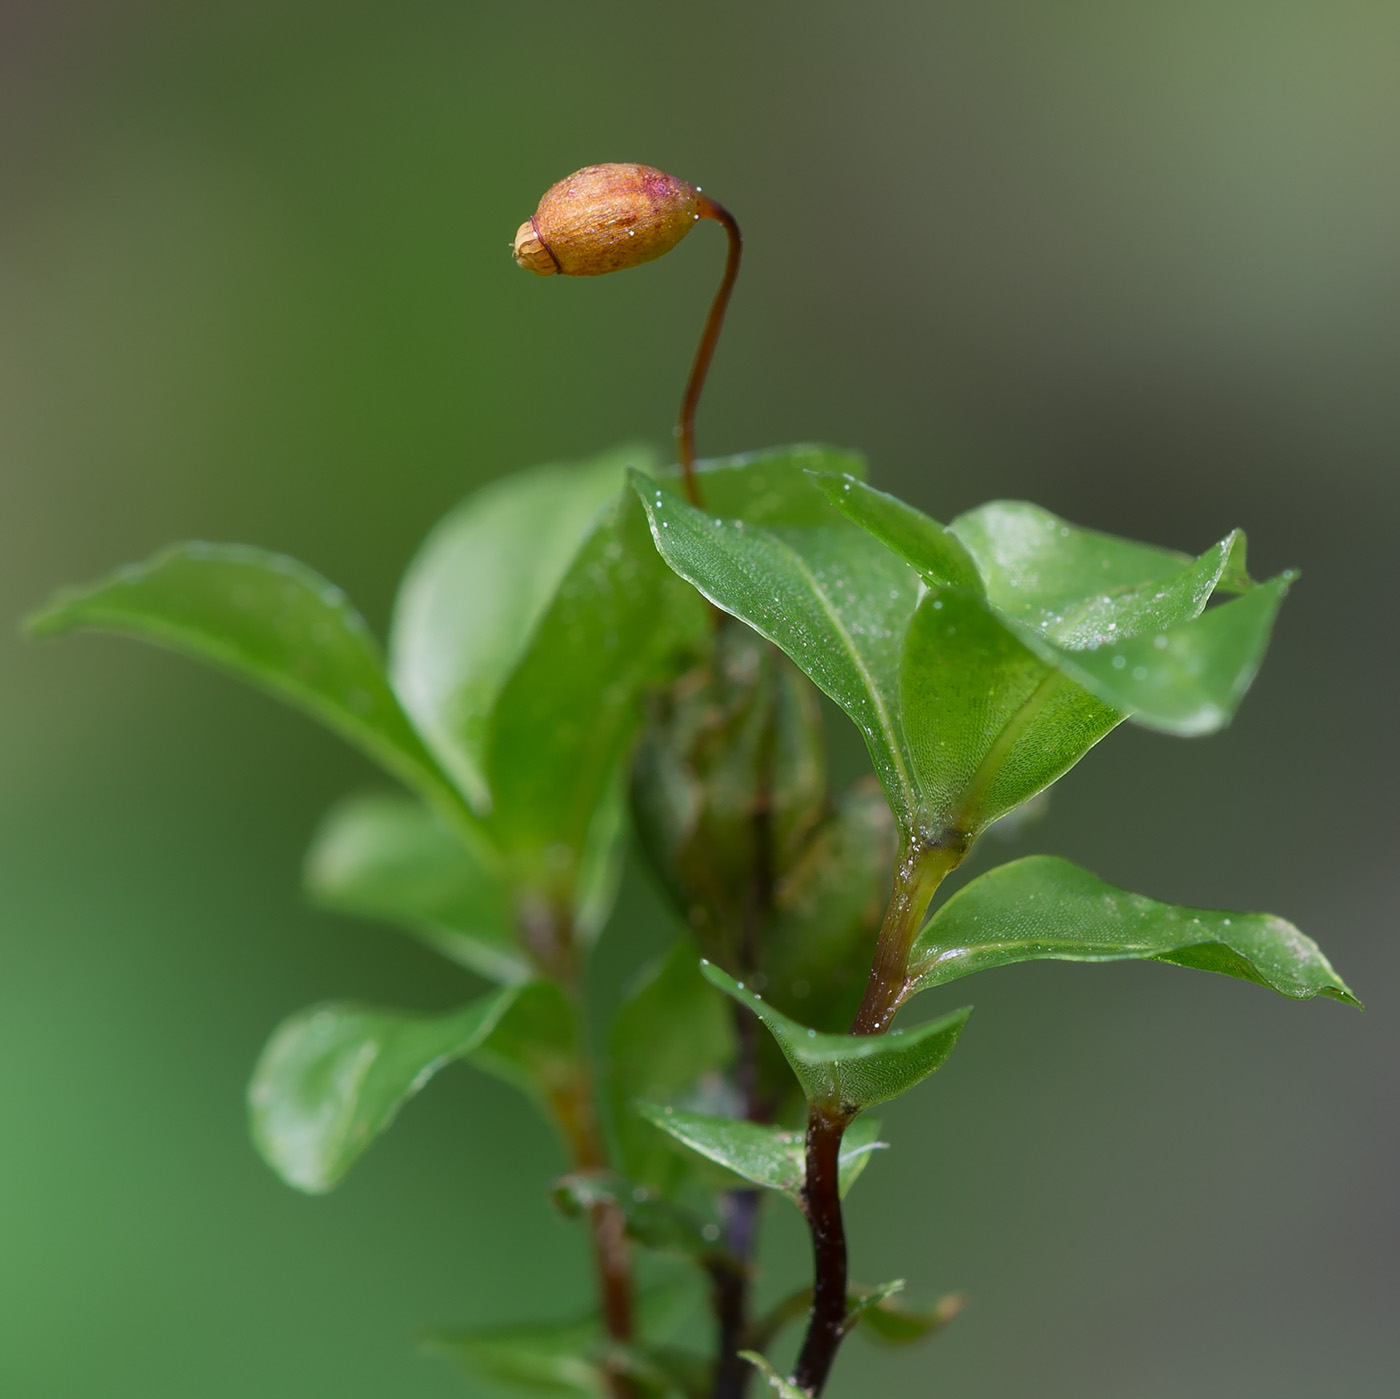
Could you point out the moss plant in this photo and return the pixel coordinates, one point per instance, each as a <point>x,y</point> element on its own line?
<point>583,652</point>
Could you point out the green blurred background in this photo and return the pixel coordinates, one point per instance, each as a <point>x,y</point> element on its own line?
<point>1137,261</point>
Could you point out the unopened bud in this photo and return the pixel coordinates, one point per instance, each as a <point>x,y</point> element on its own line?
<point>604,218</point>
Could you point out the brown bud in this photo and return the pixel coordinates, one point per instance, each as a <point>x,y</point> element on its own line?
<point>604,218</point>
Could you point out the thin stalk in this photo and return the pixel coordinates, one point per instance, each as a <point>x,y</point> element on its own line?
<point>574,1104</point>
<point>685,427</point>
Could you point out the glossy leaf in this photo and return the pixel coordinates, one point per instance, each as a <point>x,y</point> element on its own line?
<point>616,627</point>
<point>766,1156</point>
<point>270,620</point>
<point>784,1389</point>
<point>1042,907</point>
<point>387,857</point>
<point>937,553</point>
<point>772,488</point>
<point>333,1077</point>
<point>670,1029</point>
<point>1120,618</point>
<point>1040,569</point>
<point>472,598</point>
<point>826,592</point>
<point>852,1072</point>
<point>1186,679</point>
<point>989,723</point>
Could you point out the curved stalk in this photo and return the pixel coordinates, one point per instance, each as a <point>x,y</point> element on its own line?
<point>685,426</point>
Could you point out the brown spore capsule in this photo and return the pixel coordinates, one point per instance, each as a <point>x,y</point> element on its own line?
<point>604,218</point>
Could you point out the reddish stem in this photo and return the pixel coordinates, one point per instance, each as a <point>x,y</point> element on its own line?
<point>685,427</point>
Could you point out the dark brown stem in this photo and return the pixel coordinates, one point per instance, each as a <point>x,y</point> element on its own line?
<point>921,869</point>
<point>821,1202</point>
<point>685,428</point>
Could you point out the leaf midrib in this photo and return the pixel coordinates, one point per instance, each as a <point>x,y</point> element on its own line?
<point>882,713</point>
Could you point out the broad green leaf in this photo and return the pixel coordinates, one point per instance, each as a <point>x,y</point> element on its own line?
<point>270,620</point>
<point>828,908</point>
<point>772,488</point>
<point>387,857</point>
<point>826,592</point>
<point>988,722</point>
<point>1038,637</point>
<point>765,1156</point>
<point>333,1077</point>
<point>1042,907</point>
<point>473,597</point>
<point>1119,618</point>
<point>852,1072</point>
<point>615,628</point>
<point>1186,679</point>
<point>937,553</point>
<point>670,1029</point>
<point>889,1319</point>
<point>784,1389</point>
<point>1041,569</point>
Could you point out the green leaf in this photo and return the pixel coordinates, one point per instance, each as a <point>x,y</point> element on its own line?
<point>772,487</point>
<point>937,553</point>
<point>333,1077</point>
<point>1042,907</point>
<point>1042,570</point>
<point>852,1072</point>
<point>1119,618</point>
<point>886,1318</point>
<point>616,627</point>
<point>670,1030</point>
<point>830,595</point>
<point>270,620</point>
<point>784,1389</point>
<point>765,1156</point>
<point>387,857</point>
<point>989,723</point>
<point>474,595</point>
<point>1186,679</point>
